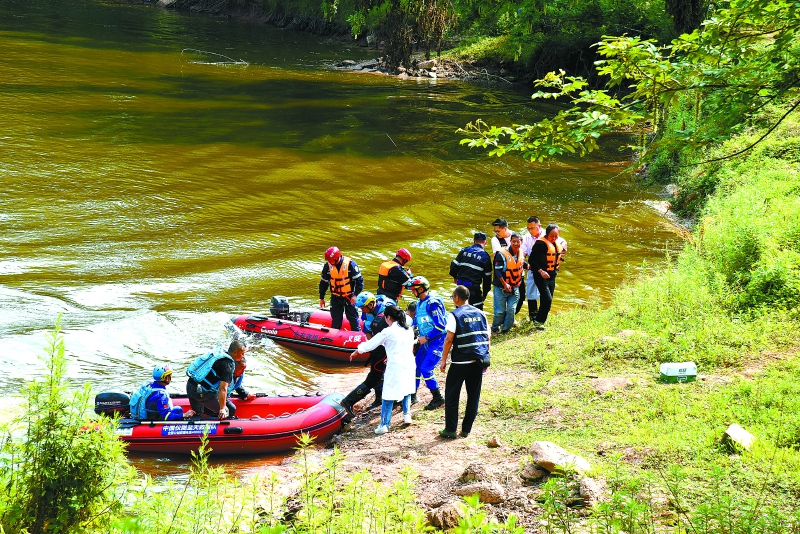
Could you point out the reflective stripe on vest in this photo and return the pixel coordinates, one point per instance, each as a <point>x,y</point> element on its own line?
<point>384,282</point>
<point>554,253</point>
<point>424,318</point>
<point>513,274</point>
<point>340,279</point>
<point>471,341</point>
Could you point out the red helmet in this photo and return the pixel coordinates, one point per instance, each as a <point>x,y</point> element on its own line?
<point>332,255</point>
<point>404,254</point>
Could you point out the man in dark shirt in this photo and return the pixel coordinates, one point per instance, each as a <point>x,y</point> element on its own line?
<point>544,260</point>
<point>473,267</point>
<point>342,275</point>
<point>209,378</point>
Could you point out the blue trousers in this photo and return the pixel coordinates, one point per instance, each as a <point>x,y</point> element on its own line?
<point>505,306</point>
<point>428,357</point>
<point>386,410</point>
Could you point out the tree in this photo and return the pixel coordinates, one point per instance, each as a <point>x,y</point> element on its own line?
<point>742,59</point>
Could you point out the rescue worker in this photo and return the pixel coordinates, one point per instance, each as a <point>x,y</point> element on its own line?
<point>393,275</point>
<point>342,275</point>
<point>152,402</point>
<point>430,320</point>
<point>209,378</point>
<point>544,260</point>
<point>237,387</point>
<point>473,267</point>
<point>374,321</point>
<point>467,343</point>
<point>535,231</point>
<point>507,279</point>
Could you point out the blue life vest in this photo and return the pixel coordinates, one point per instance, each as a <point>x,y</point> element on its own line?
<point>139,402</point>
<point>425,320</point>
<point>200,368</point>
<point>381,301</point>
<point>236,384</point>
<point>471,341</point>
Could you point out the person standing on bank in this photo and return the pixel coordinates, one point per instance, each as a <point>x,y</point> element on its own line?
<point>398,385</point>
<point>209,378</point>
<point>342,275</point>
<point>473,267</point>
<point>544,261</point>
<point>467,343</point>
<point>507,279</point>
<point>393,275</point>
<point>535,231</point>
<point>430,320</point>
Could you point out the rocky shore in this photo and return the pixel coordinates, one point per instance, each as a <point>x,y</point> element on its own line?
<point>432,69</point>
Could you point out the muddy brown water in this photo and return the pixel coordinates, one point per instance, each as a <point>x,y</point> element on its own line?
<point>150,189</point>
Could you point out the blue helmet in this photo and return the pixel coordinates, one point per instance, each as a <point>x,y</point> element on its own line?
<point>364,298</point>
<point>161,372</point>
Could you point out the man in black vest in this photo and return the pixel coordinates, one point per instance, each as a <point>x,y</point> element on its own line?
<point>473,267</point>
<point>468,337</point>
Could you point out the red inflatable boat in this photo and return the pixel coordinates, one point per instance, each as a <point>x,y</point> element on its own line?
<point>309,332</point>
<point>264,425</point>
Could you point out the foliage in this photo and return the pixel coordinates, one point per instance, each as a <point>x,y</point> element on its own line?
<point>739,61</point>
<point>476,521</point>
<point>64,476</point>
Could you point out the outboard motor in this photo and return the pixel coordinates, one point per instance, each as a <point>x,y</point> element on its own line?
<point>279,307</point>
<point>112,402</point>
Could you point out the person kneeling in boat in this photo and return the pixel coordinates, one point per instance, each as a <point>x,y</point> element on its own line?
<point>399,380</point>
<point>373,321</point>
<point>152,402</point>
<point>209,378</point>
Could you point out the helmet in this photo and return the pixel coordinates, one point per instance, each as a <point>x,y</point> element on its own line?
<point>418,281</point>
<point>364,298</point>
<point>161,372</point>
<point>332,255</point>
<point>404,254</point>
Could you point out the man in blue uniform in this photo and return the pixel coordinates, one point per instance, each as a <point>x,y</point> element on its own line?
<point>467,343</point>
<point>342,275</point>
<point>152,402</point>
<point>473,267</point>
<point>430,320</point>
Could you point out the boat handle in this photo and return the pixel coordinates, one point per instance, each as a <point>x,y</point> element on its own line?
<point>233,430</point>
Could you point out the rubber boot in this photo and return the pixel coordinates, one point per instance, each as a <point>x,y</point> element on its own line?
<point>414,399</point>
<point>533,308</point>
<point>378,399</point>
<point>354,397</point>
<point>437,400</point>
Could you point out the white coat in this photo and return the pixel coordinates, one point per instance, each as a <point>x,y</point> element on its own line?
<point>400,377</point>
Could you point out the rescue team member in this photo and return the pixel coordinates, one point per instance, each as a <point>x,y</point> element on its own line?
<point>535,231</point>
<point>393,275</point>
<point>544,261</point>
<point>467,343</point>
<point>430,320</point>
<point>507,279</point>
<point>209,378</point>
<point>473,267</point>
<point>374,321</point>
<point>342,274</point>
<point>152,402</point>
<point>237,387</point>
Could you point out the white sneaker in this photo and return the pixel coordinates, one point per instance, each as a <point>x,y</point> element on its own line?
<point>382,429</point>
<point>407,418</point>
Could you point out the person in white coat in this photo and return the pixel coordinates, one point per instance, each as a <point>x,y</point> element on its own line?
<point>399,380</point>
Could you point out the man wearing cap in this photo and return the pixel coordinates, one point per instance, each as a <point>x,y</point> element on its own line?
<point>473,267</point>
<point>152,402</point>
<point>393,273</point>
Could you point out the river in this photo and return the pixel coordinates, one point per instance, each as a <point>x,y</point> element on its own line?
<point>150,189</point>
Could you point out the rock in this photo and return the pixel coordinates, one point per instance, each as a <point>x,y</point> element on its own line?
<point>549,455</point>
<point>446,516</point>
<point>671,190</point>
<point>494,442</point>
<point>165,3</point>
<point>531,473</point>
<point>400,70</point>
<point>432,75</point>
<point>426,64</point>
<point>403,76</point>
<point>347,63</point>
<point>489,492</point>
<point>593,491</point>
<point>473,473</point>
<point>434,69</point>
<point>604,385</point>
<point>738,435</point>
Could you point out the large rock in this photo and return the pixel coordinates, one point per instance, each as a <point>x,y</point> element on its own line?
<point>426,64</point>
<point>446,516</point>
<point>490,492</point>
<point>549,455</point>
<point>531,473</point>
<point>474,473</point>
<point>593,491</point>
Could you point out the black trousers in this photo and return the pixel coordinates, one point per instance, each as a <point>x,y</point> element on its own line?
<point>374,380</point>
<point>546,290</point>
<point>203,402</point>
<point>522,292</point>
<point>476,296</point>
<point>340,305</point>
<point>471,375</point>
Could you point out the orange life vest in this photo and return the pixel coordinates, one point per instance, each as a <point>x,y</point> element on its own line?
<point>340,279</point>
<point>383,278</point>
<point>513,274</point>
<point>554,253</point>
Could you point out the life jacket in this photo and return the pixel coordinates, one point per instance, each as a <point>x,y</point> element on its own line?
<point>340,279</point>
<point>471,341</point>
<point>424,318</point>
<point>554,253</point>
<point>381,301</point>
<point>236,384</point>
<point>386,285</point>
<point>513,274</point>
<point>203,366</point>
<point>139,402</point>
